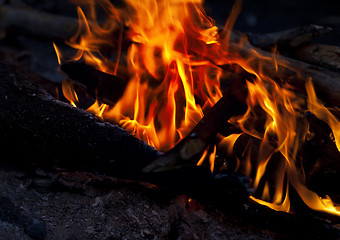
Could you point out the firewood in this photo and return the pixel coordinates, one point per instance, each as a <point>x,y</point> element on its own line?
<point>54,133</point>
<point>37,23</point>
<point>37,128</point>
<point>289,38</point>
<point>320,55</point>
<point>294,72</point>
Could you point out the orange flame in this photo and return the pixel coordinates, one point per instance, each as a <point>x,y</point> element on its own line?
<point>174,62</point>
<point>321,112</point>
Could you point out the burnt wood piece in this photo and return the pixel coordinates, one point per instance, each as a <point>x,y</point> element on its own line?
<point>36,128</point>
<point>320,55</point>
<point>106,87</point>
<point>289,38</point>
<point>293,71</point>
<point>37,23</point>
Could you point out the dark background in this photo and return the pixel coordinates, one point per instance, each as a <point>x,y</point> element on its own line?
<point>257,16</point>
<point>261,16</point>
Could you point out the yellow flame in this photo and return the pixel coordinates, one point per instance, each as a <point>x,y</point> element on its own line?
<point>204,155</point>
<point>228,142</point>
<point>321,112</point>
<point>212,159</point>
<point>58,53</point>
<point>70,93</point>
<point>276,205</point>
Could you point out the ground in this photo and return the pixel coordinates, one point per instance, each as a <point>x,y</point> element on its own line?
<point>34,208</point>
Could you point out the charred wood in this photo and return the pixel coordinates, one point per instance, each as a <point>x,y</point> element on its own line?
<point>99,85</point>
<point>37,128</point>
<point>289,38</point>
<point>320,55</point>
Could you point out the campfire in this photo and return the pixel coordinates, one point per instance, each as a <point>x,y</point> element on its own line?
<point>177,63</point>
<point>215,110</point>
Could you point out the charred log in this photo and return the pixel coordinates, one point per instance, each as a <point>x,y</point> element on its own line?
<point>40,129</point>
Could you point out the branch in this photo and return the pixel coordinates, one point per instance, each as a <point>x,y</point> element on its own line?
<point>290,38</point>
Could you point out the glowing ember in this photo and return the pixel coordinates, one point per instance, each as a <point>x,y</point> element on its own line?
<point>176,59</point>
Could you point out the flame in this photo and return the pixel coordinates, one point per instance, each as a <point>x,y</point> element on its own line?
<point>70,93</point>
<point>229,142</point>
<point>160,103</point>
<point>58,53</point>
<point>321,112</point>
<point>175,63</point>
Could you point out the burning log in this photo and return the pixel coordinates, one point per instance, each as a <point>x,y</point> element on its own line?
<point>38,23</point>
<point>56,135</point>
<point>191,146</point>
<point>289,38</point>
<point>188,66</point>
<point>324,79</point>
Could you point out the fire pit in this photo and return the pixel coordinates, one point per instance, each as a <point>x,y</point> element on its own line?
<point>159,95</point>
